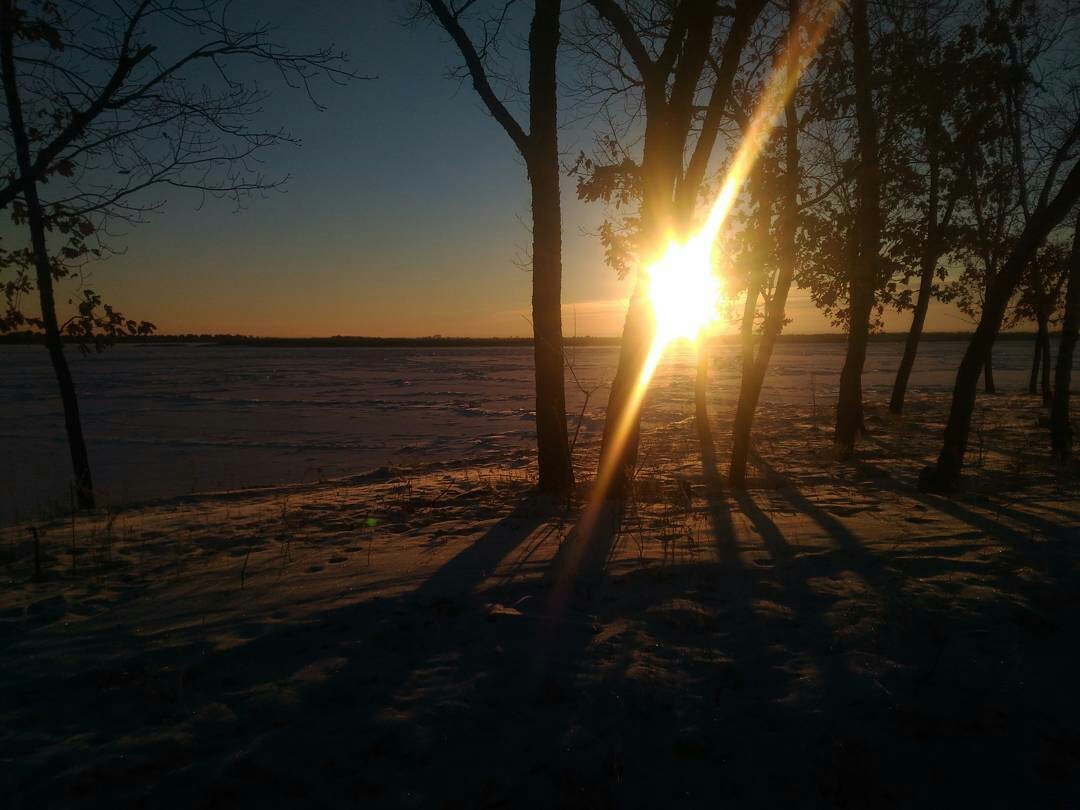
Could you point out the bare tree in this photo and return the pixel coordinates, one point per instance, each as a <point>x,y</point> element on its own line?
<point>1036,41</point>
<point>1039,299</point>
<point>849,407</point>
<point>756,364</point>
<point>539,148</point>
<point>1052,207</point>
<point>661,54</point>
<point>1061,434</point>
<point>937,70</point>
<point>103,103</point>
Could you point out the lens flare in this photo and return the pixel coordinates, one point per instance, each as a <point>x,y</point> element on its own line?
<point>683,290</point>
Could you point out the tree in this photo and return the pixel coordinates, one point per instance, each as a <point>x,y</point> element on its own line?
<point>1061,434</point>
<point>1035,42</point>
<point>1049,211</point>
<point>856,160</point>
<point>667,59</point>
<point>867,242</point>
<point>936,69</point>
<point>756,364</point>
<point>539,148</point>
<point>102,104</point>
<point>1040,295</point>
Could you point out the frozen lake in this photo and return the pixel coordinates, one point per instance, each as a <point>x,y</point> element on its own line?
<point>168,420</point>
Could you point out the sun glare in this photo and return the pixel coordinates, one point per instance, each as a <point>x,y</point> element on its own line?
<point>683,290</point>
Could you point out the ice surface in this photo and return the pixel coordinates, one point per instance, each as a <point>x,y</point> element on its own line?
<point>168,420</point>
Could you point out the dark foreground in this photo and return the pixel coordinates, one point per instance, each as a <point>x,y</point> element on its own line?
<point>830,638</point>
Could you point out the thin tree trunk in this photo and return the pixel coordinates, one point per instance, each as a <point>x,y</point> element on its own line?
<point>988,366</point>
<point>988,372</point>
<point>666,189</point>
<point>911,345</point>
<point>746,329</point>
<point>619,443</point>
<point>553,448</point>
<point>1033,382</point>
<point>84,487</point>
<point>701,411</point>
<point>945,475</point>
<point>849,407</point>
<point>1060,423</point>
<point>1044,338</point>
<point>931,252</point>
<point>754,375</point>
<point>540,150</point>
<point>760,195</point>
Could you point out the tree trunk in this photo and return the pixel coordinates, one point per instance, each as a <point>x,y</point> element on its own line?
<point>849,405</point>
<point>1060,423</point>
<point>1033,382</point>
<point>945,475</point>
<point>553,448</point>
<point>84,487</point>
<point>758,257</point>
<point>668,122</point>
<point>701,411</point>
<point>988,371</point>
<point>1044,339</point>
<point>619,444</point>
<point>849,410</point>
<point>931,251</point>
<point>754,375</point>
<point>911,345</point>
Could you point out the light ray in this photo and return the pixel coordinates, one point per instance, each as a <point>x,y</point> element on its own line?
<point>683,298</point>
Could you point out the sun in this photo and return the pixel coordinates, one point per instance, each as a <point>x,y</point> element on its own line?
<point>683,290</point>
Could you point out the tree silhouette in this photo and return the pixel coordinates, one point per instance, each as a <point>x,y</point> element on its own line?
<point>1040,295</point>
<point>1043,118</point>
<point>539,148</point>
<point>943,90</point>
<point>1061,434</point>
<point>756,363</point>
<point>682,71</point>
<point>104,104</point>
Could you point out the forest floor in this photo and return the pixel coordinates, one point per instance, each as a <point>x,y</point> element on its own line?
<point>829,637</point>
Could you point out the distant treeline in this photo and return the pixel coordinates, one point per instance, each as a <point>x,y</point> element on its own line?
<point>28,338</point>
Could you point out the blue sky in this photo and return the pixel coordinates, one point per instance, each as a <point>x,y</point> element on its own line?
<point>405,212</point>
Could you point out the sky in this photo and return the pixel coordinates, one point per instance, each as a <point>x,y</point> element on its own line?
<point>405,212</point>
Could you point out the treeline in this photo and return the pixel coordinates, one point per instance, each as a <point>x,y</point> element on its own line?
<point>31,338</point>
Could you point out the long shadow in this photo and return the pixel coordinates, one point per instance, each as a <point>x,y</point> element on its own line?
<point>720,516</point>
<point>924,717</point>
<point>775,542</point>
<point>961,509</point>
<point>374,644</point>
<point>841,779</point>
<point>427,698</point>
<point>867,562</point>
<point>579,565</point>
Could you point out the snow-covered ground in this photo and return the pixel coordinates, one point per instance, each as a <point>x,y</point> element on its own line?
<point>167,420</point>
<point>439,637</point>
